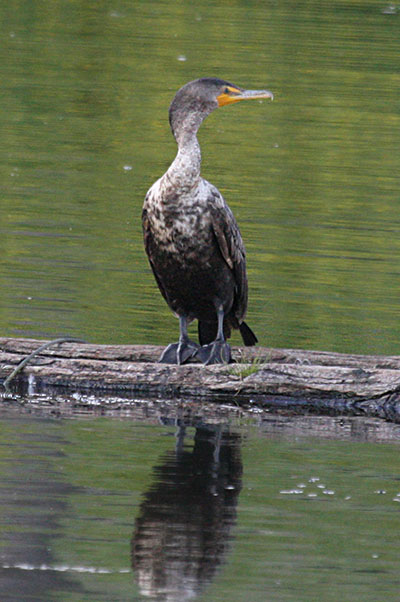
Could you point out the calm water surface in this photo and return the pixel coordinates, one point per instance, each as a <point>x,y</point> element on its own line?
<point>312,177</point>
<point>122,509</point>
<point>175,509</point>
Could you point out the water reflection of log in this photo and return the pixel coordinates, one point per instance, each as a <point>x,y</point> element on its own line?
<point>182,533</point>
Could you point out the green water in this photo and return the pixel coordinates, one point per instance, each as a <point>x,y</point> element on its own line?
<point>312,177</point>
<point>110,509</point>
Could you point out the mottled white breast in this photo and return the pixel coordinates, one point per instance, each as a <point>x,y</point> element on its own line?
<point>181,222</point>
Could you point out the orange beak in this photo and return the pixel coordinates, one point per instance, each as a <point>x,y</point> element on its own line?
<point>232,94</point>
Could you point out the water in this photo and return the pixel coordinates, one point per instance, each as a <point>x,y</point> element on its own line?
<point>117,507</point>
<point>311,177</point>
<point>153,506</point>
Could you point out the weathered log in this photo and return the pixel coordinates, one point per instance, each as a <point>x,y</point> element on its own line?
<point>261,376</point>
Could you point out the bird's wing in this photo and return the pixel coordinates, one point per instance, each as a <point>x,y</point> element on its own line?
<point>146,230</point>
<point>232,249</point>
<point>148,245</point>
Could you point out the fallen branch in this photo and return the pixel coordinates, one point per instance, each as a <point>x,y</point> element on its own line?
<point>261,376</point>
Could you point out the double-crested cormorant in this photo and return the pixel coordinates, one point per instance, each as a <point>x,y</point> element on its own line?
<point>191,237</point>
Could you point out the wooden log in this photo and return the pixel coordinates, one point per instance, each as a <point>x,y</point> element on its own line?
<point>261,376</point>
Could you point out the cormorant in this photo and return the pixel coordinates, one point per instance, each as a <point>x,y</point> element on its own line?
<point>191,237</point>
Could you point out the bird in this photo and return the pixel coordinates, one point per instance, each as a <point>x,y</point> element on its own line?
<point>191,237</point>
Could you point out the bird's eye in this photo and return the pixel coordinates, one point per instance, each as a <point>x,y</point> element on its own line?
<point>226,91</point>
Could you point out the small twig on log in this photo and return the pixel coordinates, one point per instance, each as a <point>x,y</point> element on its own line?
<point>28,358</point>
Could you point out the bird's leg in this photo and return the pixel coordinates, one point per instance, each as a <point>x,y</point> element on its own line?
<point>217,352</point>
<point>184,350</point>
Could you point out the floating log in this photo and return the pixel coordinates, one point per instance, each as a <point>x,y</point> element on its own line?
<point>262,377</point>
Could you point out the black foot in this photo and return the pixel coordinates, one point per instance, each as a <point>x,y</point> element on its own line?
<point>217,352</point>
<point>179,353</point>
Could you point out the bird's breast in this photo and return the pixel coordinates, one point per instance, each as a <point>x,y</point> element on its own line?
<point>180,224</point>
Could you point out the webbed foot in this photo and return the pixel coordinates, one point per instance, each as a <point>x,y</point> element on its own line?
<point>218,352</point>
<point>179,353</point>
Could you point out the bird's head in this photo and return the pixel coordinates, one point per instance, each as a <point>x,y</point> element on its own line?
<point>197,99</point>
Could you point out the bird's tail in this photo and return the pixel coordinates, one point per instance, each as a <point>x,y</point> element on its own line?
<point>208,332</point>
<point>248,336</point>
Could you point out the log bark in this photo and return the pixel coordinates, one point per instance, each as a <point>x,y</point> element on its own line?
<point>263,377</point>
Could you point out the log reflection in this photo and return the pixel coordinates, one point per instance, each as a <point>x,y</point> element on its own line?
<point>183,530</point>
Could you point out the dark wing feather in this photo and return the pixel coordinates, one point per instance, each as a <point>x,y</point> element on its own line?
<point>149,246</point>
<point>232,249</point>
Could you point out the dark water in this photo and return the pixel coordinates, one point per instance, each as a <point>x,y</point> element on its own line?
<point>312,177</point>
<point>173,509</point>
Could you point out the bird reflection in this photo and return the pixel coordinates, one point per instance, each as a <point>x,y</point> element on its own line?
<point>182,533</point>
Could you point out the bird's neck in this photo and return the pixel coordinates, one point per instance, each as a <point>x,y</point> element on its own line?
<point>184,172</point>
